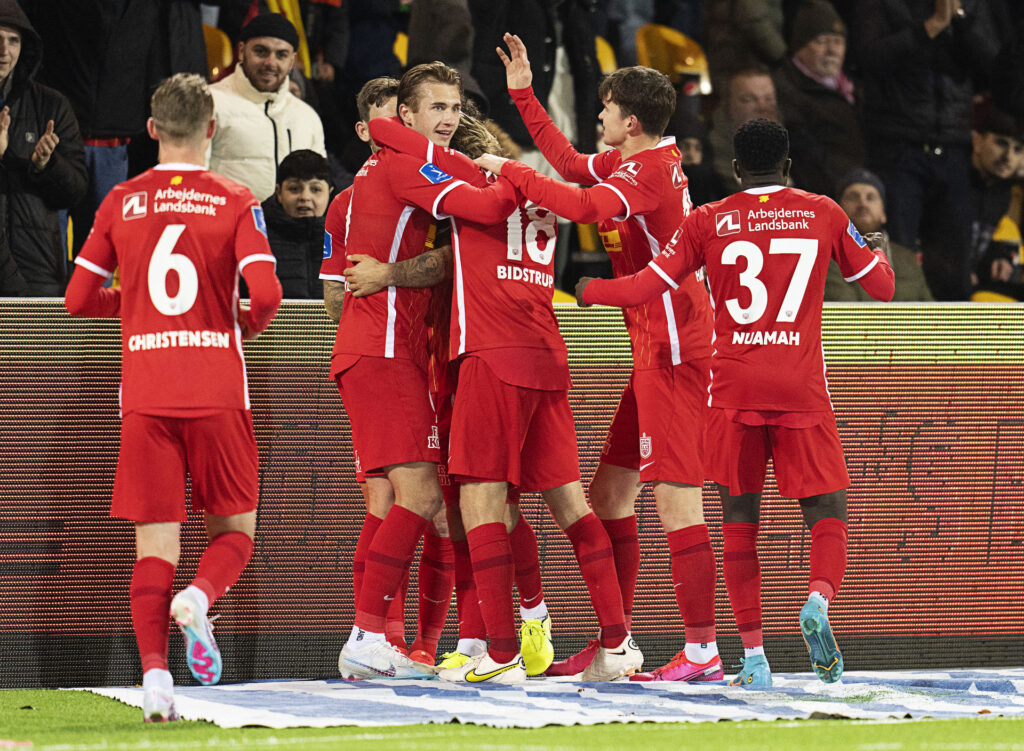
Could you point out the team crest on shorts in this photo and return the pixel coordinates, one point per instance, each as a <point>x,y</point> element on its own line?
<point>434,440</point>
<point>645,446</point>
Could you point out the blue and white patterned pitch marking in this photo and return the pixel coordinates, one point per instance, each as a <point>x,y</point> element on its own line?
<point>860,695</point>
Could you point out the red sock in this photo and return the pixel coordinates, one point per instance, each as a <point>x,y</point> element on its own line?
<point>437,577</point>
<point>527,564</point>
<point>467,602</point>
<point>493,570</point>
<point>693,577</point>
<point>828,556</point>
<point>597,565</point>
<point>222,563</point>
<point>387,561</point>
<point>370,526</point>
<point>626,549</point>
<point>742,571</point>
<point>150,598</point>
<point>394,623</point>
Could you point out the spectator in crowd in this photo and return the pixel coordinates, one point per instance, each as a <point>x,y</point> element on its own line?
<point>862,196</point>
<point>748,94</point>
<point>741,34</point>
<point>259,122</point>
<point>43,165</point>
<point>295,222</point>
<point>817,101</point>
<point>106,57</point>
<point>996,156</point>
<point>920,60</point>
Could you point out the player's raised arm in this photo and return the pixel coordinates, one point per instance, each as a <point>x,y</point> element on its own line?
<point>879,281</point>
<point>556,148</point>
<point>390,132</point>
<point>863,259</point>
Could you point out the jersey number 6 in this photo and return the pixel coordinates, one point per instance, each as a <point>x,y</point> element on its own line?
<point>163,261</point>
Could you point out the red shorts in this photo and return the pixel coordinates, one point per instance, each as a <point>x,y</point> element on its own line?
<point>658,426</point>
<point>808,461</point>
<point>218,451</point>
<point>389,409</point>
<point>505,433</point>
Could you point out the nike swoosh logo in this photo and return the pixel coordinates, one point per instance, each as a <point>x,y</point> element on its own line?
<point>389,673</point>
<point>474,677</point>
<point>388,598</point>
<point>617,653</point>
<point>645,466</point>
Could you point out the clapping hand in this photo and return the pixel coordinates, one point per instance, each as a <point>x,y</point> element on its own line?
<point>45,147</point>
<point>5,124</point>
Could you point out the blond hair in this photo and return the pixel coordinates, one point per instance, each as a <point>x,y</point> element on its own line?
<point>437,72</point>
<point>181,107</point>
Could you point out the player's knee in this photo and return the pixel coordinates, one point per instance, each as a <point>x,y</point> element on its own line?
<point>825,506</point>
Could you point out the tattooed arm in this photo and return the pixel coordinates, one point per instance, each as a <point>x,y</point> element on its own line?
<point>334,297</point>
<point>368,275</point>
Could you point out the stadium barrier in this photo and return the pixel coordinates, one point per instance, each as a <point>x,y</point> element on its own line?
<point>930,404</point>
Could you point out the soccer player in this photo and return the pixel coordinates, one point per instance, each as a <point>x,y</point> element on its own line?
<point>377,98</point>
<point>380,363</point>
<point>767,251</point>
<point>511,423</point>
<point>180,235</point>
<point>639,197</point>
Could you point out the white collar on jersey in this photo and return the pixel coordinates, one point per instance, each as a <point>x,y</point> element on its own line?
<point>178,166</point>
<point>764,189</point>
<point>666,141</point>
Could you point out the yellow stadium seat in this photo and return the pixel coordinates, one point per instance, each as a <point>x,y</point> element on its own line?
<point>401,47</point>
<point>587,235</point>
<point>560,296</point>
<point>673,53</point>
<point>219,54</point>
<point>605,55</point>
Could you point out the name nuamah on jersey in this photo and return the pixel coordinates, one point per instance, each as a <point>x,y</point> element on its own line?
<point>766,337</point>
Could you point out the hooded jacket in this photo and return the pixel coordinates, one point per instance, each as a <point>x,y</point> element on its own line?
<point>257,129</point>
<point>32,258</point>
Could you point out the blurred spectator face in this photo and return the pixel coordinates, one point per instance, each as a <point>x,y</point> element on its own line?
<point>388,109</point>
<point>10,50</point>
<point>692,151</point>
<point>997,156</point>
<point>823,55</point>
<point>615,125</point>
<point>266,62</point>
<point>863,204</point>
<point>751,97</point>
<point>437,111</point>
<point>302,198</point>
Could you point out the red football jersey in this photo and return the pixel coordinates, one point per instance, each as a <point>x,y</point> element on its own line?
<point>179,235</point>
<point>503,248</point>
<point>392,208</point>
<point>332,267</point>
<point>767,252</point>
<point>677,326</point>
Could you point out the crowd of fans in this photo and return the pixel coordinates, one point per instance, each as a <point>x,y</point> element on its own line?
<point>910,113</point>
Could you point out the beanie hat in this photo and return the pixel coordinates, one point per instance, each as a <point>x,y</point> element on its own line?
<point>860,175</point>
<point>270,25</point>
<point>812,18</point>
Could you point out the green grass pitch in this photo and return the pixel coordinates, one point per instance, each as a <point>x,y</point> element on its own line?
<point>72,720</point>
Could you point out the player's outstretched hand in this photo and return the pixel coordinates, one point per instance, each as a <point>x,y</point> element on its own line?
<point>517,66</point>
<point>877,241</point>
<point>491,163</point>
<point>580,286</point>
<point>366,275</point>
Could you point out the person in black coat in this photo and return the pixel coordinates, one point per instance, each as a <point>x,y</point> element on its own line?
<point>42,165</point>
<point>921,61</point>
<point>295,222</point>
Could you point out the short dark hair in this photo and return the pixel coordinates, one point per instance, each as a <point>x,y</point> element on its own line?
<point>761,146</point>
<point>643,92</point>
<point>408,87</point>
<point>375,93</point>
<point>303,164</point>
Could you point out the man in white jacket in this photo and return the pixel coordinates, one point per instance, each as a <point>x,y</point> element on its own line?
<point>259,122</point>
